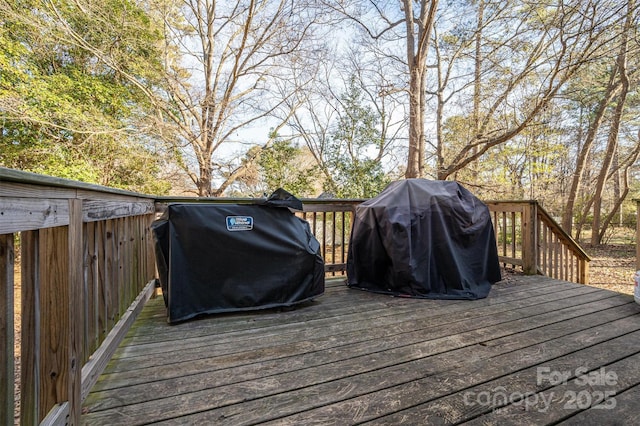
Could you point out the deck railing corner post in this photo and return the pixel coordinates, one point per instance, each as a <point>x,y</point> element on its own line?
<point>529,239</point>
<point>637,234</point>
<point>584,272</point>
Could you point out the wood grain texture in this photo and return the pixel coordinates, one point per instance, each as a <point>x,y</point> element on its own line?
<point>6,329</point>
<point>94,210</point>
<point>30,330</point>
<point>111,272</point>
<point>75,310</point>
<point>90,265</point>
<point>27,214</point>
<point>92,369</point>
<point>70,188</point>
<point>101,280</point>
<point>54,318</point>
<point>353,357</point>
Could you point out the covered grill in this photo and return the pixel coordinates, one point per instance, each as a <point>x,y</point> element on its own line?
<point>231,257</point>
<point>422,238</point>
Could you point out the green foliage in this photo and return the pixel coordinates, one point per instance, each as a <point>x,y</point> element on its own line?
<point>355,168</point>
<point>282,165</point>
<point>66,112</point>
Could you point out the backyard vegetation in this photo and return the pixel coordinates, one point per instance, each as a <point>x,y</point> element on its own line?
<point>516,100</point>
<point>613,263</point>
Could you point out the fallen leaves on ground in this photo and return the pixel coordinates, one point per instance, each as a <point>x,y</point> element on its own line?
<point>612,267</point>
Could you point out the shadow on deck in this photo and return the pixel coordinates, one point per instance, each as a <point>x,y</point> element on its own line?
<point>536,351</point>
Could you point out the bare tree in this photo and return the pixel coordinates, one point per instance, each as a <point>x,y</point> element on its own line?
<point>612,142</point>
<point>611,91</point>
<point>418,25</point>
<point>383,22</point>
<point>623,171</point>
<point>243,56</point>
<point>222,61</point>
<point>323,108</point>
<point>613,96</point>
<point>523,66</point>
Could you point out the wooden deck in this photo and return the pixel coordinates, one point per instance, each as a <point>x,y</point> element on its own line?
<point>536,351</point>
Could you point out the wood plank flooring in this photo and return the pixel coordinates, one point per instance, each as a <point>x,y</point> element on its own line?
<point>536,351</point>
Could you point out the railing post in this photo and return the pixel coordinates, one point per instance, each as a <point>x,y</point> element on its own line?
<point>76,310</point>
<point>529,239</point>
<point>584,272</point>
<point>6,329</point>
<point>637,235</point>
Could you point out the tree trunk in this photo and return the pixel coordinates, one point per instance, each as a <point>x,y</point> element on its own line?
<point>612,142</point>
<point>477,82</point>
<point>617,191</point>
<point>417,47</point>
<point>633,157</point>
<point>576,182</point>
<point>439,120</point>
<point>204,181</point>
<point>415,111</point>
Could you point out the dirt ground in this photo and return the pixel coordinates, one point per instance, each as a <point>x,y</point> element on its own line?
<point>612,267</point>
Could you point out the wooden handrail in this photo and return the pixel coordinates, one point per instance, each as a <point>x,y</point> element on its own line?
<point>87,267</point>
<point>530,239</point>
<point>329,219</point>
<point>575,266</point>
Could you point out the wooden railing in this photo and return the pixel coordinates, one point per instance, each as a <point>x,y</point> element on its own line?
<point>86,267</point>
<point>528,238</point>
<point>330,222</point>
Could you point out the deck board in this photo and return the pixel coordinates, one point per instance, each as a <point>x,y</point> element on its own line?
<point>355,357</point>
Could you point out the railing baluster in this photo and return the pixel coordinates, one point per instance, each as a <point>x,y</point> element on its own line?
<point>90,291</point>
<point>7,357</point>
<point>333,240</point>
<point>504,233</point>
<point>102,310</point>
<point>315,222</point>
<point>343,242</point>
<point>549,252</point>
<point>75,310</point>
<point>544,248</point>
<point>565,260</point>
<point>555,244</point>
<point>324,235</point>
<point>30,329</point>
<point>514,233</point>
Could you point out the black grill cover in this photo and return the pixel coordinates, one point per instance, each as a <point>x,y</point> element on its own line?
<point>422,238</point>
<point>230,257</point>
